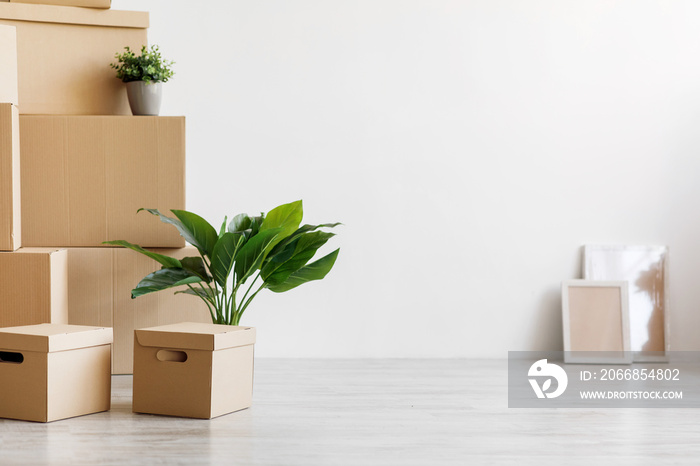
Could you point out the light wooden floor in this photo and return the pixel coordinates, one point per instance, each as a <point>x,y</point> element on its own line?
<point>349,412</point>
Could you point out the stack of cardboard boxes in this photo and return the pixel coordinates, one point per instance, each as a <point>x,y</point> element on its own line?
<point>74,169</point>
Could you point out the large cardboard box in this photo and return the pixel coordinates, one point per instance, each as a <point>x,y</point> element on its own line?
<point>84,178</point>
<point>10,204</point>
<point>64,53</point>
<point>52,372</point>
<point>33,287</point>
<point>103,4</point>
<point>8,65</point>
<point>211,366</point>
<point>100,281</point>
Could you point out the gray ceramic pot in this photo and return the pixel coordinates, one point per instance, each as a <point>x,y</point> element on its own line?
<point>144,99</point>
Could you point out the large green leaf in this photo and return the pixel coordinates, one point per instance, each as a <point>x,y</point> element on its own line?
<point>287,217</point>
<point>246,225</point>
<point>277,269</point>
<point>166,261</point>
<point>184,232</point>
<point>207,293</point>
<point>201,230</point>
<point>250,256</point>
<point>223,255</point>
<point>196,266</point>
<point>162,280</point>
<point>300,231</point>
<point>314,271</point>
<point>239,223</point>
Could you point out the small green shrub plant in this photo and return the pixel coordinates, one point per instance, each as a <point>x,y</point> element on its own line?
<point>148,67</point>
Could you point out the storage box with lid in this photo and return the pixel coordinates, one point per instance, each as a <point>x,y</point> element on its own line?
<point>193,369</point>
<point>64,53</point>
<point>54,371</point>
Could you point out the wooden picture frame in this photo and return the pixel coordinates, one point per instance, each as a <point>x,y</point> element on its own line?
<point>645,268</point>
<point>595,317</point>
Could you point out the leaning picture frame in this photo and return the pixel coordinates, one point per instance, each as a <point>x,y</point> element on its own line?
<point>595,317</point>
<point>646,270</point>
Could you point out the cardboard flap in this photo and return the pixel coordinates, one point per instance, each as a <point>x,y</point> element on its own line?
<point>73,15</point>
<point>198,336</point>
<point>51,338</point>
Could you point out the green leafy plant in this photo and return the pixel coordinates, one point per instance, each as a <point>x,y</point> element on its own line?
<point>272,249</point>
<point>147,67</point>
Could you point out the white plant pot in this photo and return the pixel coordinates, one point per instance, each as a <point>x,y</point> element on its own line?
<point>144,99</point>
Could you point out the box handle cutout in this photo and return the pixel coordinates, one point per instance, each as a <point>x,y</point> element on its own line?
<point>173,356</point>
<point>11,358</point>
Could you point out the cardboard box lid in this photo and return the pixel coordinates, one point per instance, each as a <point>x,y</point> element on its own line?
<point>81,3</point>
<point>73,15</point>
<point>51,338</point>
<point>192,335</point>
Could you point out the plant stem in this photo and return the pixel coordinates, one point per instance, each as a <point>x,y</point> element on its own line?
<point>243,308</point>
<point>217,304</point>
<point>250,287</point>
<point>203,299</point>
<point>225,303</point>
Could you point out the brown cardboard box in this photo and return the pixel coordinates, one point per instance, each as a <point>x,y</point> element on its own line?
<point>84,178</point>
<point>103,4</point>
<point>64,53</point>
<point>211,366</point>
<point>10,213</point>
<point>33,287</point>
<point>52,372</point>
<point>100,281</point>
<point>8,65</point>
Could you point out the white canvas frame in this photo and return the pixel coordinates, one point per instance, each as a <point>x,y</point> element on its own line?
<point>614,357</point>
<point>595,273</point>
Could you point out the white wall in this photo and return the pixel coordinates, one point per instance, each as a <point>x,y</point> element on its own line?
<point>470,148</point>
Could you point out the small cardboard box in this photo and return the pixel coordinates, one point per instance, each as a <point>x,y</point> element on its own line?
<point>8,65</point>
<point>33,287</point>
<point>84,178</point>
<point>52,372</point>
<point>10,205</point>
<point>103,4</point>
<point>63,57</point>
<point>100,281</point>
<point>193,370</point>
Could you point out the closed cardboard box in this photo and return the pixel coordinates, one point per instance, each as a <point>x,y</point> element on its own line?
<point>211,366</point>
<point>84,178</point>
<point>10,213</point>
<point>63,57</point>
<point>33,287</point>
<point>52,372</point>
<point>8,65</point>
<point>104,4</point>
<point>100,281</point>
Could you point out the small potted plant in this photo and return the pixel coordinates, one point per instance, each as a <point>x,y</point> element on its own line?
<point>143,75</point>
<point>265,252</point>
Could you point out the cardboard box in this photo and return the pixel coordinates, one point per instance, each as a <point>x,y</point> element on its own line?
<point>10,205</point>
<point>84,178</point>
<point>100,281</point>
<point>8,65</point>
<point>103,4</point>
<point>33,287</point>
<point>52,372</point>
<point>63,57</point>
<point>211,366</point>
